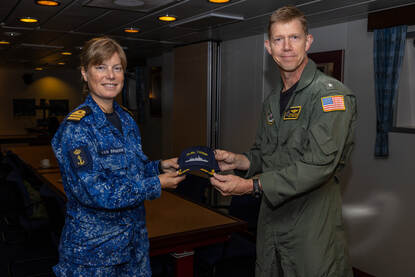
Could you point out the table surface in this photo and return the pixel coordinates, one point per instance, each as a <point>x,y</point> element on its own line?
<point>169,214</point>
<point>32,155</point>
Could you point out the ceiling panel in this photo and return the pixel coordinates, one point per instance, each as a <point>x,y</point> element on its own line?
<point>73,22</point>
<point>100,24</point>
<point>72,16</point>
<point>143,6</point>
<point>41,37</point>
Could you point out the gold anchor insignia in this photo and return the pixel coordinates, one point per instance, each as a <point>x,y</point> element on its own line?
<point>77,152</point>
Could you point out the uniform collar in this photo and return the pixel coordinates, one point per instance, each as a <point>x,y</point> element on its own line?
<point>307,76</point>
<point>100,120</point>
<point>99,116</point>
<point>124,117</point>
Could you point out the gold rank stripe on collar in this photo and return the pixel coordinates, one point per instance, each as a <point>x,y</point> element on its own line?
<point>126,109</point>
<point>79,114</point>
<point>292,113</point>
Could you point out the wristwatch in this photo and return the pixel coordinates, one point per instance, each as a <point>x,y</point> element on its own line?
<point>257,191</point>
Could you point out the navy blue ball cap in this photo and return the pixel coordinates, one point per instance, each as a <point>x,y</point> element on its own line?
<point>198,158</point>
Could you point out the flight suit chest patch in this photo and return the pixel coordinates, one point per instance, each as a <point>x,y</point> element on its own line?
<point>270,118</point>
<point>292,113</point>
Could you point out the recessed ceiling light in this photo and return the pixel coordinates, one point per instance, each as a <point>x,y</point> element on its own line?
<point>38,68</point>
<point>28,19</point>
<point>61,63</point>
<point>4,42</point>
<point>128,3</point>
<point>167,18</point>
<point>66,53</point>
<point>50,3</point>
<point>219,1</point>
<point>131,30</point>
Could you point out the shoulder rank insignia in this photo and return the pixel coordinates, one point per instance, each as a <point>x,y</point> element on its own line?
<point>333,103</point>
<point>292,113</point>
<point>127,110</point>
<point>79,114</point>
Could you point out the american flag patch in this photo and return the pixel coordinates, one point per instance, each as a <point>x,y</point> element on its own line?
<point>333,103</point>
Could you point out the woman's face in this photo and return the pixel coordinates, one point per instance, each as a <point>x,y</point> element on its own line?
<point>105,81</point>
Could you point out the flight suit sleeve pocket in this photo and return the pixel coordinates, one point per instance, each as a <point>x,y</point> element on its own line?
<point>323,138</point>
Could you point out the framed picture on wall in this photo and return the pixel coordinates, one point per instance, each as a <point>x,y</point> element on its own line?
<point>330,62</point>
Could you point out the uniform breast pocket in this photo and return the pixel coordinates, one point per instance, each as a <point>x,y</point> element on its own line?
<point>114,162</point>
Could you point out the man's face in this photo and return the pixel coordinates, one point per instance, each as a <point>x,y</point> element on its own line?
<point>288,45</point>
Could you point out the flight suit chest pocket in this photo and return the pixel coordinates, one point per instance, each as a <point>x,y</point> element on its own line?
<point>113,158</point>
<point>295,138</point>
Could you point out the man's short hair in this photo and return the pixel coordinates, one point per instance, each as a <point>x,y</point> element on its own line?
<point>287,14</point>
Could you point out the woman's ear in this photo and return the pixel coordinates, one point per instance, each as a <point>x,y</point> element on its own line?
<point>84,75</point>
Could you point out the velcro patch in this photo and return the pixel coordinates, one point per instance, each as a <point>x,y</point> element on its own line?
<point>270,118</point>
<point>80,157</point>
<point>333,103</point>
<point>292,113</point>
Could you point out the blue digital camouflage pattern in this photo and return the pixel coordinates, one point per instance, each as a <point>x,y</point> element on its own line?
<point>106,178</point>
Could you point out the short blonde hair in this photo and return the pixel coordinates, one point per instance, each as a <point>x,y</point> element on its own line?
<point>99,49</point>
<point>287,14</point>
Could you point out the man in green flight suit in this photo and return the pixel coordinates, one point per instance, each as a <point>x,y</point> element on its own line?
<point>304,139</point>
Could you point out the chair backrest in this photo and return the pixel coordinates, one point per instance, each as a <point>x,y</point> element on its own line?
<point>15,178</point>
<point>55,208</point>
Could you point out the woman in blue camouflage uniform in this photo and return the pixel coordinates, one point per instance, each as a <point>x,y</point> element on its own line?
<point>106,175</point>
